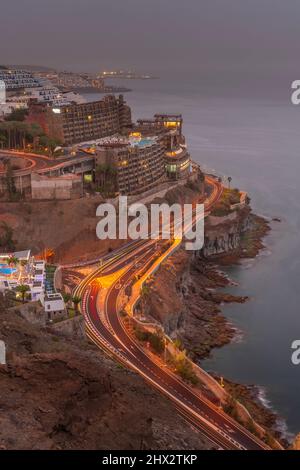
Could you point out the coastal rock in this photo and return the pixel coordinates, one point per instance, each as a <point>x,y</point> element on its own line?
<point>182,301</point>
<point>60,393</point>
<point>185,299</point>
<point>296,443</point>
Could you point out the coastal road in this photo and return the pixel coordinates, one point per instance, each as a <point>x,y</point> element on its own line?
<point>105,328</point>
<point>42,164</point>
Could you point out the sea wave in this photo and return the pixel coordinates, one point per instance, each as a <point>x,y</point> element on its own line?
<point>238,335</point>
<point>281,425</point>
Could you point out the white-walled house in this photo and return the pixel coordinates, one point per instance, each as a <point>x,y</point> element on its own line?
<point>36,290</point>
<point>54,306</point>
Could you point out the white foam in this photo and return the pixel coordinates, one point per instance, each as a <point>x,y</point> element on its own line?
<point>238,335</point>
<point>281,425</point>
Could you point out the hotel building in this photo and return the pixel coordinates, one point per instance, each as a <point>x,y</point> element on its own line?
<point>168,128</point>
<point>138,161</point>
<point>17,79</point>
<point>82,122</point>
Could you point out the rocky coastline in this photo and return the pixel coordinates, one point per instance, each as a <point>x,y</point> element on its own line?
<point>187,297</point>
<point>186,293</point>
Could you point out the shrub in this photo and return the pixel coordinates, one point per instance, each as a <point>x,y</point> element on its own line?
<point>178,343</point>
<point>269,440</point>
<point>184,368</point>
<point>141,335</point>
<point>230,407</point>
<point>71,312</point>
<point>157,342</point>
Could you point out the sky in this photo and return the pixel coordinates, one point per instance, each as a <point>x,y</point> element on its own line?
<point>229,38</point>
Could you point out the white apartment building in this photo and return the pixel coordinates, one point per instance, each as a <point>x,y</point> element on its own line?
<point>37,284</point>
<point>15,79</point>
<point>54,306</point>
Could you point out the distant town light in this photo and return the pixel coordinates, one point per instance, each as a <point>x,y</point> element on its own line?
<point>56,110</point>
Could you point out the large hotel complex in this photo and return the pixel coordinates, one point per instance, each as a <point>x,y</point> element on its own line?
<point>82,122</point>
<point>100,145</point>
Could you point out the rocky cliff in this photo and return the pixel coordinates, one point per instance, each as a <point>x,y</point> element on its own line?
<point>57,393</point>
<point>184,296</point>
<point>224,234</point>
<point>183,299</point>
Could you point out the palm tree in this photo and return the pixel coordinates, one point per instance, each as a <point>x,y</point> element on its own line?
<point>106,176</point>
<point>22,128</point>
<point>23,263</point>
<point>3,140</point>
<point>23,289</point>
<point>52,144</point>
<point>16,133</point>
<point>34,132</point>
<point>229,181</point>
<point>6,129</point>
<point>100,173</point>
<point>67,297</point>
<point>76,301</point>
<point>13,260</point>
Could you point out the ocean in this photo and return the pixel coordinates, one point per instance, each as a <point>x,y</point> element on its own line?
<point>256,142</point>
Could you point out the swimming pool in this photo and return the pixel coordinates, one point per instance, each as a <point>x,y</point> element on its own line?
<point>6,270</point>
<point>142,142</point>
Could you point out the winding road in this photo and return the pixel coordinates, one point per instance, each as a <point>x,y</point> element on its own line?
<point>104,326</point>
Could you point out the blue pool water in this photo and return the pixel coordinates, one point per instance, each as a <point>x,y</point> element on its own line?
<point>142,142</point>
<point>4,269</point>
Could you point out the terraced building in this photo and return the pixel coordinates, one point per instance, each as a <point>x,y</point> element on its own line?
<point>77,123</point>
<point>137,163</point>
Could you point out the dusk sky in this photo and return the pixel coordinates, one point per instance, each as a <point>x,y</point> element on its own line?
<point>260,37</point>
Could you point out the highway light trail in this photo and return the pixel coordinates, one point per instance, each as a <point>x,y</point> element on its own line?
<point>105,328</point>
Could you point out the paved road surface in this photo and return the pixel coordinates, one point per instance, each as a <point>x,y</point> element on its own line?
<point>105,328</point>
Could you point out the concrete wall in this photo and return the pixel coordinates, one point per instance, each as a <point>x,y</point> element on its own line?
<point>63,187</point>
<point>22,183</point>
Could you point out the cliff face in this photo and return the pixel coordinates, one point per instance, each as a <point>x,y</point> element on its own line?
<point>184,297</point>
<point>57,393</point>
<point>184,301</point>
<point>67,227</point>
<point>224,234</point>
